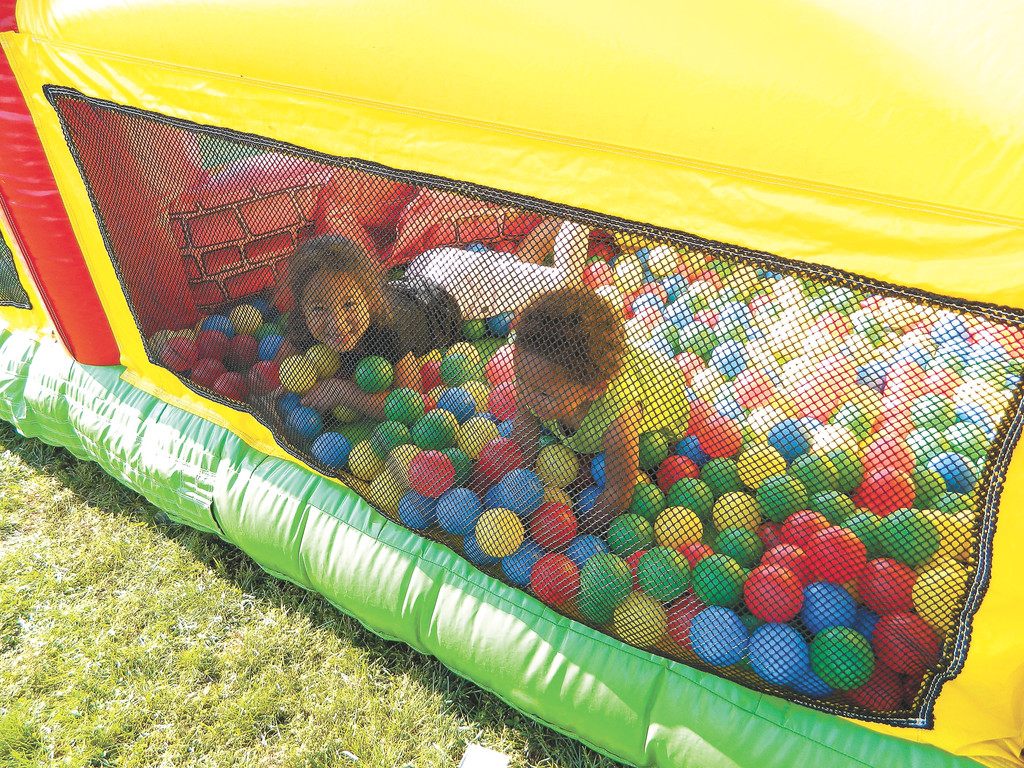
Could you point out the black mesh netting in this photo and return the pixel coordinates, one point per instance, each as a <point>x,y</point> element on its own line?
<point>11,291</point>
<point>715,455</point>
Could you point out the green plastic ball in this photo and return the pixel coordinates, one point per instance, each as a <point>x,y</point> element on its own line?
<point>928,486</point>
<point>722,476</point>
<point>474,329</point>
<point>663,574</point>
<point>718,580</point>
<point>780,496</point>
<point>926,443</point>
<point>968,440</point>
<point>854,419</point>
<point>742,545</point>
<point>456,369</point>
<point>403,405</point>
<point>833,506</point>
<point>815,472</point>
<point>866,527</point>
<point>653,450</point>
<point>435,430</point>
<point>932,412</point>
<point>694,494</point>
<point>909,537</point>
<point>842,658</point>
<point>374,374</point>
<point>648,501</point>
<point>388,435</point>
<point>697,337</point>
<point>605,581</point>
<point>849,469</point>
<point>952,502</point>
<point>461,463</point>
<point>630,533</point>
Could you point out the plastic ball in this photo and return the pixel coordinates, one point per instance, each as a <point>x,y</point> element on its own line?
<point>499,532</point>
<point>458,402</point>
<point>553,525</point>
<point>471,549</point>
<point>885,491</point>
<point>232,386</point>
<point>208,370</point>
<point>909,537</point>
<point>374,374</point>
<point>905,643</point>
<point>676,527</point>
<point>836,554</point>
<point>213,344</point>
<point>474,434</point>
<point>694,494</point>
<point>218,323</point>
<point>245,319</point>
<point>640,620</point>
<point>653,450</point>
<point>742,545</point>
<point>849,469</point>
<point>500,325</point>
<point>363,462</point>
<point>475,329</point>
<point>736,510</point>
<point>757,463</point>
<point>430,375</point>
<point>790,438</point>
<point>815,472</point>
<point>303,424</point>
<point>883,691</point>
<point>584,547</point>
<point>242,353</point>
<point>800,527</point>
<point>387,435</point>
<point>404,406</point>
<point>719,580</point>
<point>586,499</point>
<point>773,593</point>
<point>500,366</point>
<point>435,430</point>
<point>605,582</point>
<point>833,506</point>
<point>955,470</point>
<point>555,579</point>
<point>827,605</point>
<point>501,401</point>
<point>722,476</point>
<point>268,347</point>
<point>520,490</point>
<point>324,359</point>
<point>263,378</point>
<point>937,594</point>
<point>331,449</point>
<point>720,437</point>
<point>385,494</point>
<point>179,354</point>
<point>886,586</point>
<point>597,470</point>
<point>519,565</point>
<point>417,512</point>
<point>647,500</point>
<point>662,573</point>
<point>460,463</point>
<point>778,654</point>
<point>431,473</point>
<point>673,469</point>
<point>718,636</point>
<point>458,510</point>
<point>297,374</point>
<point>841,657</point>
<point>630,533</point>
<point>557,465</point>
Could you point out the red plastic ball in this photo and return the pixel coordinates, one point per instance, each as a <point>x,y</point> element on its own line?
<point>720,437</point>
<point>696,551</point>
<point>633,561</point>
<point>207,371</point>
<point>211,343</point>
<point>883,691</point>
<point>836,554</point>
<point>885,491</point>
<point>691,364</point>
<point>770,532</point>
<point>231,385</point>
<point>501,366</point>
<point>431,473</point>
<point>263,377</point>
<point>430,375</point>
<point>886,586</point>
<point>792,557</point>
<point>179,354</point>
<point>243,351</point>
<point>598,274</point>
<point>905,643</point>
<point>499,457</point>
<point>801,526</point>
<point>680,615</point>
<point>888,453</point>
<point>553,525</point>
<point>773,593</point>
<point>555,579</point>
<point>501,401</point>
<point>675,468</point>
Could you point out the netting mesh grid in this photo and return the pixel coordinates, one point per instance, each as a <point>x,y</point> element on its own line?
<point>12,293</point>
<point>772,472</point>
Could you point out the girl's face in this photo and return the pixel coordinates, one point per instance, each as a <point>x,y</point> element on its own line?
<point>544,388</point>
<point>336,310</point>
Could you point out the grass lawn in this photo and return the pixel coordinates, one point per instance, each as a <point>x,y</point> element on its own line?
<point>126,640</point>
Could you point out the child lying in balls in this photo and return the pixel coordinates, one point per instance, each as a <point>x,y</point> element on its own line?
<point>578,378</point>
<point>343,302</point>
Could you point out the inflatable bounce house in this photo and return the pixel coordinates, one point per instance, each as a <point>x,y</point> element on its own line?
<point>657,368</point>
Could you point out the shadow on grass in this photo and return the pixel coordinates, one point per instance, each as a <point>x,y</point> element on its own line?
<point>90,485</point>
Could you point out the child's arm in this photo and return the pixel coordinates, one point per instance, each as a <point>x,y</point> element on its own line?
<point>571,248</point>
<point>539,242</point>
<point>331,393</point>
<point>621,459</point>
<point>526,434</point>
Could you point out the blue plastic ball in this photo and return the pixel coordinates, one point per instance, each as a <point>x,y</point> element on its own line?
<point>976,414</point>
<point>473,552</point>
<point>827,605</point>
<point>690,448</point>
<point>218,323</point>
<point>729,359</point>
<point>519,565</point>
<point>505,427</point>
<point>458,510</point>
<point>912,353</point>
<point>955,470</point>
<point>719,636</point>
<point>778,653</point>
<point>476,248</point>
<point>950,328</point>
<point>810,684</point>
<point>790,438</point>
<point>417,512</point>
<point>597,469</point>
<point>865,622</point>
<point>520,490</point>
<point>303,424</point>
<point>675,286</point>
<point>873,374</point>
<point>287,403</point>
<point>331,449</point>
<point>583,547</point>
<point>678,314</point>
<point>269,345</point>
<point>459,403</point>
<point>262,306</point>
<point>500,325</point>
<point>585,503</point>
<point>728,407</point>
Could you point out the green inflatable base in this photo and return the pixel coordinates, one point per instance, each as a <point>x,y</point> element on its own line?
<point>638,708</point>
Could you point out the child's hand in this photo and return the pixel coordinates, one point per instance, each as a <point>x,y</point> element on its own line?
<point>329,394</point>
<point>265,405</point>
<point>611,503</point>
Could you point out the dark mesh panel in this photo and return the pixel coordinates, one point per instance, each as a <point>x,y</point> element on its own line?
<point>784,476</point>
<point>12,294</point>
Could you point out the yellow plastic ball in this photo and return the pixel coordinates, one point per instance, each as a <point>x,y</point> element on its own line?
<point>385,493</point>
<point>662,260</point>
<point>434,355</point>
<point>479,391</point>
<point>363,462</point>
<point>736,510</point>
<point>499,532</point>
<point>397,463</point>
<point>676,527</point>
<point>158,339</point>
<point>465,348</point>
<point>955,533</point>
<point>757,463</point>
<point>474,434</point>
<point>437,391</point>
<point>832,437</point>
<point>186,333</point>
<point>937,595</point>
<point>297,374</point>
<point>557,465</point>
<point>246,319</point>
<point>640,620</point>
<point>324,359</point>
<point>629,275</point>
<point>345,415</point>
<point>554,495</point>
